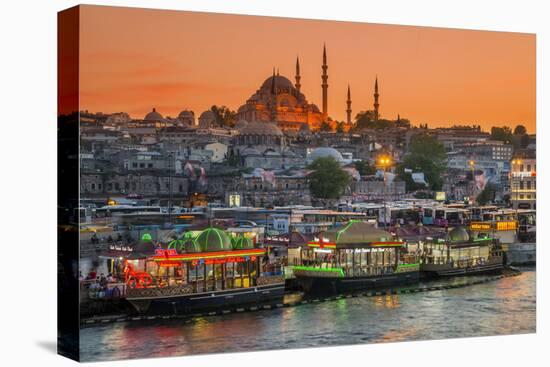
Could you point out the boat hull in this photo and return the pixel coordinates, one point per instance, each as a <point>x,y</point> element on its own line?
<point>230,299</point>
<point>325,285</point>
<point>447,270</point>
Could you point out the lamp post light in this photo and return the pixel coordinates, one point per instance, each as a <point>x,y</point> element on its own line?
<point>472,165</point>
<point>516,163</point>
<point>384,162</point>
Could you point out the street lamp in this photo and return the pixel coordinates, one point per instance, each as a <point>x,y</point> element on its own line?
<point>384,162</point>
<point>517,163</point>
<point>472,165</point>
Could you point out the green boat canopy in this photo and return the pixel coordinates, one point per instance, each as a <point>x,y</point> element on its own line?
<point>242,243</point>
<point>356,233</point>
<point>213,239</point>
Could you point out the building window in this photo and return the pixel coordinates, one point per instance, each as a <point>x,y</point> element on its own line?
<point>150,165</point>
<point>528,185</point>
<point>528,168</point>
<point>134,165</point>
<point>93,186</point>
<point>142,165</point>
<point>521,185</point>
<point>117,186</point>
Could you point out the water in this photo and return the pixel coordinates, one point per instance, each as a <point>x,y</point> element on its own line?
<point>505,306</point>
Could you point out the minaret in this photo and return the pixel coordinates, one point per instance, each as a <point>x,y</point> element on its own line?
<point>273,97</point>
<point>348,111</point>
<point>376,104</point>
<point>298,85</point>
<point>273,82</point>
<point>324,78</point>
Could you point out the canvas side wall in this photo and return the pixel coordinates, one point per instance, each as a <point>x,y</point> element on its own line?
<point>68,183</point>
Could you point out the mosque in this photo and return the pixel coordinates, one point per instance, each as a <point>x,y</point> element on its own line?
<point>278,102</point>
<point>281,101</point>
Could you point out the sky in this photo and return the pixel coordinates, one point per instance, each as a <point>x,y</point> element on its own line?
<point>132,60</point>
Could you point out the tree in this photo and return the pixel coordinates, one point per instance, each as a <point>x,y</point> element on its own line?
<point>224,116</point>
<point>365,120</point>
<point>501,133</point>
<point>406,123</point>
<point>487,195</point>
<point>524,141</point>
<point>340,126</point>
<point>325,126</point>
<point>520,130</point>
<point>426,154</point>
<point>328,180</point>
<point>364,168</point>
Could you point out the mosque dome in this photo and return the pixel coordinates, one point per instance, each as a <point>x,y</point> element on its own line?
<point>324,152</point>
<point>261,128</point>
<point>154,116</point>
<point>280,82</point>
<point>213,239</point>
<point>207,119</point>
<point>459,234</point>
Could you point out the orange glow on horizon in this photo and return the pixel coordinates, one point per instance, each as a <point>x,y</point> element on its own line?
<point>132,60</point>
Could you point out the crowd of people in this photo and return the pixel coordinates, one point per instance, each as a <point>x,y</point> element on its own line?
<point>98,285</point>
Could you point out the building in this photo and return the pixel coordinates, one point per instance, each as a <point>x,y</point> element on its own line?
<point>258,191</point>
<point>146,184</point>
<point>281,101</point>
<point>376,189</point>
<point>523,180</point>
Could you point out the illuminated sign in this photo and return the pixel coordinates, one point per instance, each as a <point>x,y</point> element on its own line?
<point>171,254</point>
<point>440,196</point>
<point>168,263</point>
<point>507,226</point>
<point>499,226</point>
<point>480,226</point>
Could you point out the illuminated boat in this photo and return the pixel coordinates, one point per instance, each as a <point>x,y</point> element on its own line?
<point>459,254</point>
<point>204,272</point>
<point>356,257</point>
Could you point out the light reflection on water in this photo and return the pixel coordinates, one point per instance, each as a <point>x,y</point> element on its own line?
<point>506,306</point>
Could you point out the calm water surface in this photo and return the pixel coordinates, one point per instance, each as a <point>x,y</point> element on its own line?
<point>506,306</point>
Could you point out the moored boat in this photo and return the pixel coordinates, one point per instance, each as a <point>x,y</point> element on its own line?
<point>206,272</point>
<point>357,257</point>
<point>459,254</point>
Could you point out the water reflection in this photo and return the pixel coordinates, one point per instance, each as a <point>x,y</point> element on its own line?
<point>502,307</point>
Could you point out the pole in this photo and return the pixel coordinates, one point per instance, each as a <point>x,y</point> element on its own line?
<point>384,198</point>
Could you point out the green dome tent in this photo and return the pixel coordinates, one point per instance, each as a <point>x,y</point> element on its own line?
<point>242,243</point>
<point>213,239</point>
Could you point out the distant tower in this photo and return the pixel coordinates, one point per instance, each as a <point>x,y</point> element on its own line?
<point>273,82</point>
<point>376,104</point>
<point>324,78</point>
<point>348,111</point>
<point>298,85</point>
<point>273,97</point>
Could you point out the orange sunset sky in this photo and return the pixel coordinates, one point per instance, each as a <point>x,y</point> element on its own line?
<point>132,60</point>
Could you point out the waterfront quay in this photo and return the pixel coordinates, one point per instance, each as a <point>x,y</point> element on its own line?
<point>226,260</point>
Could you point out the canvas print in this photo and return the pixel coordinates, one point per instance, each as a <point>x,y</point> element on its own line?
<point>234,183</point>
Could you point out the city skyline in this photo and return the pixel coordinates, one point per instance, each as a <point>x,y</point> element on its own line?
<point>437,76</point>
